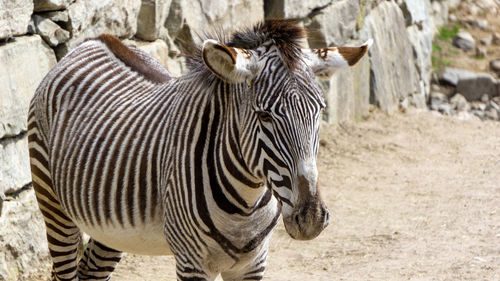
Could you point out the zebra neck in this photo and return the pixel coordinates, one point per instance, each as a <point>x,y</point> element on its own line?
<point>230,177</point>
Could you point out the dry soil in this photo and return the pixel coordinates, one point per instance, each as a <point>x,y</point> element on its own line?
<point>414,196</point>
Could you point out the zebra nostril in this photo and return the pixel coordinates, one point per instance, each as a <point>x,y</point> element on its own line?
<point>327,218</point>
<point>296,218</point>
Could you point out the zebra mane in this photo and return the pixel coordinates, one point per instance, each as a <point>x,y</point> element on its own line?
<point>287,35</point>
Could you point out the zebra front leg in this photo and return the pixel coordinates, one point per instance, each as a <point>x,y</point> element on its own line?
<point>253,270</point>
<point>98,262</point>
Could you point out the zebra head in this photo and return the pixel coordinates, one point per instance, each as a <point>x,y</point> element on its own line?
<point>280,113</point>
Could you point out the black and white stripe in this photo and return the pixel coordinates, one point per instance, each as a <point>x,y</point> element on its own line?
<point>185,165</point>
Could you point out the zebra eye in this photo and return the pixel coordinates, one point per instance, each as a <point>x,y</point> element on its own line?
<point>264,116</point>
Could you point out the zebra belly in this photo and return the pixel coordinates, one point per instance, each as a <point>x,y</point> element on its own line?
<point>146,239</point>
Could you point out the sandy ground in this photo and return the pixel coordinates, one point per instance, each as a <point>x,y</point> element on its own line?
<point>414,196</point>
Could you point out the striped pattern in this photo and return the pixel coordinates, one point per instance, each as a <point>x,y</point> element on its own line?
<point>151,164</point>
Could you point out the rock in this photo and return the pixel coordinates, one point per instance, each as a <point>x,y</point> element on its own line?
<point>90,18</point>
<point>495,66</point>
<point>203,15</point>
<point>327,32</point>
<point>473,88</point>
<point>494,105</point>
<point>347,93</point>
<point>52,33</point>
<point>22,237</point>
<point>24,63</point>
<point>445,109</point>
<point>459,103</point>
<point>483,24</point>
<point>51,5</point>
<point>491,114</point>
<point>293,9</point>
<point>478,106</point>
<point>496,38</point>
<point>451,76</point>
<point>392,64</point>
<point>464,41</point>
<point>453,4</point>
<point>486,41</point>
<point>416,11</point>
<point>14,164</point>
<point>481,52</point>
<point>439,14</point>
<point>151,18</point>
<point>437,100</point>
<point>421,41</point>
<point>56,16</point>
<point>479,114</point>
<point>452,18</point>
<point>485,98</point>
<point>14,17</point>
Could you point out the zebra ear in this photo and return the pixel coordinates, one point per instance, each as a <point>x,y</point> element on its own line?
<point>324,62</point>
<point>230,64</point>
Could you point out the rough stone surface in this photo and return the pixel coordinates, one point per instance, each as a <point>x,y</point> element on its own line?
<point>23,63</point>
<point>14,17</point>
<point>92,17</point>
<point>347,93</point>
<point>324,31</point>
<point>421,40</point>
<point>437,100</point>
<point>52,33</point>
<point>392,66</point>
<point>56,16</point>
<point>473,88</point>
<point>51,5</point>
<point>292,8</point>
<point>416,11</point>
<point>23,242</point>
<point>464,41</point>
<point>451,76</point>
<point>459,103</point>
<point>200,16</point>
<point>439,13</point>
<point>151,18</point>
<point>14,164</point>
<point>495,66</point>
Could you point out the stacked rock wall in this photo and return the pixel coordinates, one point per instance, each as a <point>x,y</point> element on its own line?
<point>34,34</point>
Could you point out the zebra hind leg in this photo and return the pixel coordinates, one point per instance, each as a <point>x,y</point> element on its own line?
<point>63,236</point>
<point>98,261</point>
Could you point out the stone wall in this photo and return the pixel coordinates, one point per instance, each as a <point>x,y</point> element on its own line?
<point>34,34</point>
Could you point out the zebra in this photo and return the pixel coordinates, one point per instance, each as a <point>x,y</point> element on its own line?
<point>201,166</point>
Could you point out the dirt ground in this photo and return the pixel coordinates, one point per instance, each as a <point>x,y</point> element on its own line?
<point>414,196</point>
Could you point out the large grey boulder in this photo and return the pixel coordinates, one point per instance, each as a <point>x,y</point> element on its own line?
<point>151,18</point>
<point>347,93</point>
<point>90,18</point>
<point>14,164</point>
<point>451,76</point>
<point>24,63</point>
<point>334,25</point>
<point>52,33</point>
<point>51,5</point>
<point>23,242</point>
<point>14,17</point>
<point>393,74</point>
<point>473,88</point>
